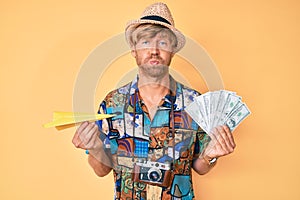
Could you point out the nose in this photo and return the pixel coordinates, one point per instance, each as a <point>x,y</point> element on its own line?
<point>154,50</point>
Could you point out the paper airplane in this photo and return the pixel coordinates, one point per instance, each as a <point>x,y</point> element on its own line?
<point>62,120</point>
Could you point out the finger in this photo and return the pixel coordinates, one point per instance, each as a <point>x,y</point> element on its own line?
<point>227,144</point>
<point>78,135</point>
<point>230,136</point>
<point>211,147</point>
<point>218,133</point>
<point>82,126</point>
<point>90,137</point>
<point>76,140</point>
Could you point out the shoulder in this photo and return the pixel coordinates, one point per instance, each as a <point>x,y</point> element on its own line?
<point>184,96</point>
<point>190,90</point>
<point>187,91</point>
<point>117,96</point>
<point>123,90</point>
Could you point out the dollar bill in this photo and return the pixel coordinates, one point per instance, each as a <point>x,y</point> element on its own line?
<point>237,116</point>
<point>230,104</point>
<point>197,114</point>
<point>203,110</point>
<point>218,108</point>
<point>214,98</point>
<point>206,100</point>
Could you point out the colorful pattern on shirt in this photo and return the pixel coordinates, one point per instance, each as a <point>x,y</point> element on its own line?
<point>172,139</point>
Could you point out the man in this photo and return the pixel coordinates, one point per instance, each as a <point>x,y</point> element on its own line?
<point>152,144</point>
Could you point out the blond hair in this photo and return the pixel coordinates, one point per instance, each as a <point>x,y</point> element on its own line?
<point>150,31</point>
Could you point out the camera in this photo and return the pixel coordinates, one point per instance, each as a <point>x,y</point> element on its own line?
<point>153,173</point>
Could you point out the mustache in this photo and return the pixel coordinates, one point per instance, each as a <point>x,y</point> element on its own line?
<point>156,57</point>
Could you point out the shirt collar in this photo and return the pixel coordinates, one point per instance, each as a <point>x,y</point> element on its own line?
<point>134,85</point>
<point>169,98</point>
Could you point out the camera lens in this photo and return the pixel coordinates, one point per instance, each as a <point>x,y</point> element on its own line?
<point>154,175</point>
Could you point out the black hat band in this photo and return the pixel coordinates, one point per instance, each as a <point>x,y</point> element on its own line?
<point>156,18</point>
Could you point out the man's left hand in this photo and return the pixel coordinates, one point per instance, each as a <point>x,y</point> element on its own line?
<point>221,143</point>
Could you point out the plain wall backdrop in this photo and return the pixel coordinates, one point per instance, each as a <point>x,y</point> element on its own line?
<point>255,45</point>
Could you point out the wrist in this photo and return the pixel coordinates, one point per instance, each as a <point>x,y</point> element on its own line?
<point>211,161</point>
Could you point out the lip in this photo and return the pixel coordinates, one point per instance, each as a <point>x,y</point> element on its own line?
<point>154,62</point>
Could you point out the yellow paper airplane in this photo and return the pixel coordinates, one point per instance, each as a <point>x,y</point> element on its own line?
<point>62,120</point>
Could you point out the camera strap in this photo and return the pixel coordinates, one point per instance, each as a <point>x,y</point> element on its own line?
<point>172,135</point>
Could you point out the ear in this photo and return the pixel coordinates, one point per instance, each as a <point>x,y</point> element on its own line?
<point>133,53</point>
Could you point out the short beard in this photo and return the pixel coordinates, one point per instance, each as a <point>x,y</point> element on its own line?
<point>156,72</point>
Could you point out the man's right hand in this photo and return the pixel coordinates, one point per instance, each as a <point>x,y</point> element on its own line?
<point>87,136</point>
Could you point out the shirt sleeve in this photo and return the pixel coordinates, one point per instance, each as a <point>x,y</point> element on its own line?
<point>202,140</point>
<point>103,126</point>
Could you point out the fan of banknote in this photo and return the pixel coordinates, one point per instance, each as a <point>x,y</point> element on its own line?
<point>216,108</point>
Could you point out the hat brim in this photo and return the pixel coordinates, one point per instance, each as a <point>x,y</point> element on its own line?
<point>131,26</point>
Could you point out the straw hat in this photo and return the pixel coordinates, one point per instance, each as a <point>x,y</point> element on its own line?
<point>157,13</point>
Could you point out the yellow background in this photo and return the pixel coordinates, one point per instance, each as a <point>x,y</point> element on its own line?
<point>255,45</point>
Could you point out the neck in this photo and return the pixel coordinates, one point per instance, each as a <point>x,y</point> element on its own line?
<point>151,87</point>
<point>152,91</point>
